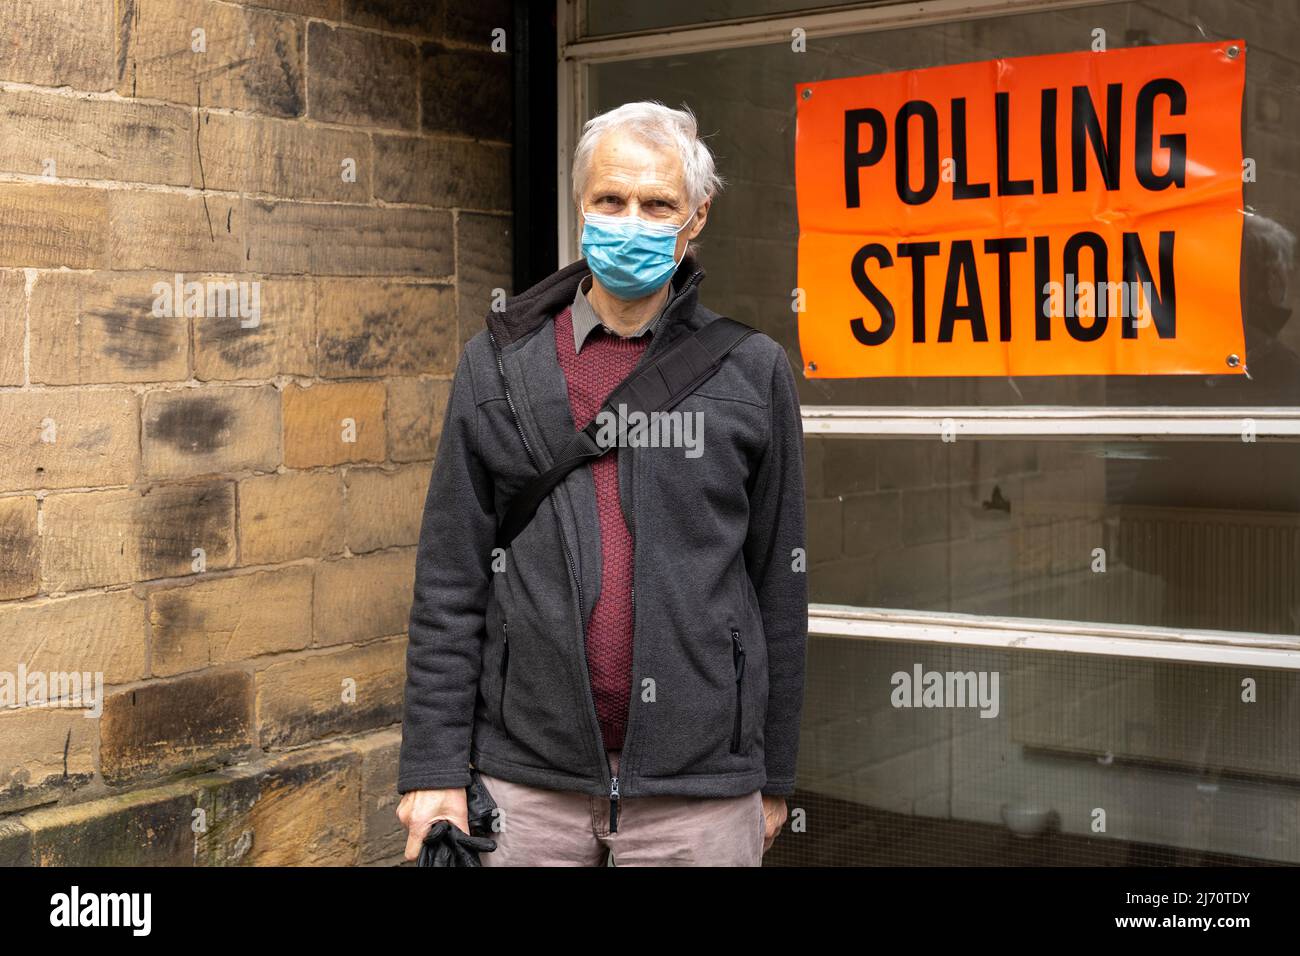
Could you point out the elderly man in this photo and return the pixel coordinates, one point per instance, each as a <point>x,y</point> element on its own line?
<point>626,676</point>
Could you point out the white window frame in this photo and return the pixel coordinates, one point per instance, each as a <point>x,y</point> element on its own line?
<point>1072,422</point>
<point>576,53</point>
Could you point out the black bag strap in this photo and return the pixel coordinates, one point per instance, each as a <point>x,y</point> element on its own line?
<point>656,388</point>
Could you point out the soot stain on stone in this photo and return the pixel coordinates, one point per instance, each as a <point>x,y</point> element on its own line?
<point>280,90</point>
<point>237,345</point>
<point>17,544</point>
<point>175,621</point>
<point>175,611</point>
<point>367,349</point>
<point>154,134</point>
<point>125,25</point>
<point>176,522</point>
<point>135,336</point>
<point>198,425</point>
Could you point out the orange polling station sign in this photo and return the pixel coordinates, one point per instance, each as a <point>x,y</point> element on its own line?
<point>1075,214</point>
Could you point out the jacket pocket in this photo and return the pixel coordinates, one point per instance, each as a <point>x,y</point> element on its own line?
<point>738,721</point>
<point>504,676</point>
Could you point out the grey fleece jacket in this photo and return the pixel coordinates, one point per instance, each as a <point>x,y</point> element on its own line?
<point>496,663</point>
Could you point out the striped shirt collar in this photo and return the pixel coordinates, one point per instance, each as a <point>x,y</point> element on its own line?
<point>585,319</point>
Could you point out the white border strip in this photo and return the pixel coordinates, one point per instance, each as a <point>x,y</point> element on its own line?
<point>1071,637</point>
<point>1072,422</point>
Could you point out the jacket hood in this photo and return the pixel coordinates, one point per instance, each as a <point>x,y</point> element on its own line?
<point>525,312</point>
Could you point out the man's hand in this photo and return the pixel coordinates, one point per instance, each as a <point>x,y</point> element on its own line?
<point>775,814</point>
<point>420,809</point>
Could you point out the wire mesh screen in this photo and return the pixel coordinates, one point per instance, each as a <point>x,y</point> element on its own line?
<point>922,754</point>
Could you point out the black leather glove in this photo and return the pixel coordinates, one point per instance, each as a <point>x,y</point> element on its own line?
<point>448,845</point>
<point>482,808</point>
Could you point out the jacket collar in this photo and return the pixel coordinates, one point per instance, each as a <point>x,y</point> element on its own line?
<point>530,309</point>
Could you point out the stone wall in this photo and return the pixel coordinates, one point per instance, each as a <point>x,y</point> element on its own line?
<point>210,500</point>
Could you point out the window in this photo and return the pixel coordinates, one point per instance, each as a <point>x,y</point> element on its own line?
<point>1175,534</point>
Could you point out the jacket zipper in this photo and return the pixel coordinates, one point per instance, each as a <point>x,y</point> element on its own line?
<point>627,739</point>
<point>501,368</point>
<point>505,669</point>
<point>627,729</point>
<point>738,659</point>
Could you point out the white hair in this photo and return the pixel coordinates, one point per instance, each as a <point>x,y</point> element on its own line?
<point>659,125</point>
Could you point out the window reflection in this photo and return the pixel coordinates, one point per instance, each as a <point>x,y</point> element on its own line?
<point>1201,534</point>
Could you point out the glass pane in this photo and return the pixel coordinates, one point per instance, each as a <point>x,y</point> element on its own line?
<point>1178,534</point>
<point>606,17</point>
<point>1082,761</point>
<point>745,100</point>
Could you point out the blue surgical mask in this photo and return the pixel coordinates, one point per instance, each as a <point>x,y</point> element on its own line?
<point>628,255</point>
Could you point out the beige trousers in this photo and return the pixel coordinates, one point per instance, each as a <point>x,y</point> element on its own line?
<point>561,828</point>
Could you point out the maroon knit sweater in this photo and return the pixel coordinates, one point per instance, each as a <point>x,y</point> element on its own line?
<point>605,360</point>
